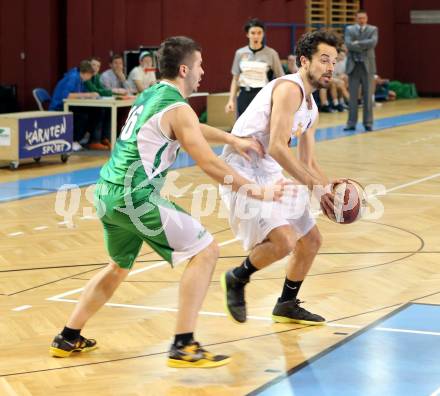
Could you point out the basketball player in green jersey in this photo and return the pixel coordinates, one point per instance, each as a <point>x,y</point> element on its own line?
<point>132,211</point>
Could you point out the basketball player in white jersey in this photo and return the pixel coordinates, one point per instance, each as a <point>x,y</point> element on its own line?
<point>283,110</point>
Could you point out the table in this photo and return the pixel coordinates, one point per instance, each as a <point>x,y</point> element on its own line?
<point>111,102</point>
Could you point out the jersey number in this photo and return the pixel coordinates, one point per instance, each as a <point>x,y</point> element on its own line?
<point>129,125</point>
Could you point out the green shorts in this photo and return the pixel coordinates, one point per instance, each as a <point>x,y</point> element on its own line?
<point>164,226</point>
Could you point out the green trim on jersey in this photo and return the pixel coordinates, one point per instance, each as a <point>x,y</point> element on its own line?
<point>125,166</point>
<point>157,159</point>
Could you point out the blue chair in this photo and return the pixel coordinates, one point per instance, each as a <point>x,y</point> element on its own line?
<point>42,98</point>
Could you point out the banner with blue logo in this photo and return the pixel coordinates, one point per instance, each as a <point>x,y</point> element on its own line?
<point>45,136</point>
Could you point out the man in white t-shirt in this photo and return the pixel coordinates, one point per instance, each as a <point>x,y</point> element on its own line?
<point>144,75</point>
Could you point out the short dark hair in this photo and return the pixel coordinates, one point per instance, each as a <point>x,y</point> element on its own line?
<point>116,56</point>
<point>254,22</point>
<point>96,58</point>
<point>85,67</point>
<point>308,43</point>
<point>361,11</point>
<point>173,52</point>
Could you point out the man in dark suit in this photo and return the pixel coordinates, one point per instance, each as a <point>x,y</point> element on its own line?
<point>361,39</point>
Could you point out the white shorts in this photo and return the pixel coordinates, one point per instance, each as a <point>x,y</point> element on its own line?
<point>252,220</point>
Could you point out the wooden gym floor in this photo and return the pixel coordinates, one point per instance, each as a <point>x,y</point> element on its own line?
<point>364,271</point>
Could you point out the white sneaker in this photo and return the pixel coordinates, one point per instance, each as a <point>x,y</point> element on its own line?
<point>76,146</point>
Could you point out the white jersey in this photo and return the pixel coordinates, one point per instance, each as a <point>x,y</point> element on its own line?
<point>255,122</point>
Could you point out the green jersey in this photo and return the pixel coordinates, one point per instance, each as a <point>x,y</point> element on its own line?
<point>143,153</point>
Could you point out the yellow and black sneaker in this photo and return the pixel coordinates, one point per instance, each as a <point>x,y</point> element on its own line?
<point>291,312</point>
<point>60,347</point>
<point>193,355</point>
<point>233,289</point>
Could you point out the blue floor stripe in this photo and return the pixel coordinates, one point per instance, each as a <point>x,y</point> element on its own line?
<point>420,317</point>
<point>383,123</point>
<point>26,188</point>
<point>373,362</point>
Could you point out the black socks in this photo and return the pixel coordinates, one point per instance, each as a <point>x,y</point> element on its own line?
<point>183,339</point>
<point>290,290</point>
<point>245,270</point>
<point>70,334</point>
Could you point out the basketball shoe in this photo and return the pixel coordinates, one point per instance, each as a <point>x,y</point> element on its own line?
<point>60,347</point>
<point>292,312</point>
<point>233,289</point>
<point>193,355</point>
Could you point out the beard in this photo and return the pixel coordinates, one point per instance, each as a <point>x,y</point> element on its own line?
<point>316,83</point>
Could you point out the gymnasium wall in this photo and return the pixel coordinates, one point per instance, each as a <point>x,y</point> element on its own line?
<point>406,52</point>
<point>102,27</point>
<point>30,53</point>
<point>417,55</point>
<point>56,34</point>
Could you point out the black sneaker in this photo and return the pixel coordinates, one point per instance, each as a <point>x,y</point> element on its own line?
<point>326,109</point>
<point>193,355</point>
<point>234,296</point>
<point>60,347</point>
<point>291,312</point>
<point>339,108</point>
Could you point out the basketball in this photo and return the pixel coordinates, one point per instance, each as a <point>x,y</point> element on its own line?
<point>350,201</point>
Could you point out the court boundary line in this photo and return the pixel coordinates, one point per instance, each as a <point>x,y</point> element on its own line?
<point>264,318</point>
<point>415,195</point>
<point>330,349</point>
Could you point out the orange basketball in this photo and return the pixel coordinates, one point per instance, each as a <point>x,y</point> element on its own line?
<point>350,201</point>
